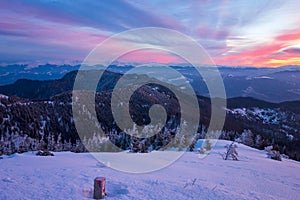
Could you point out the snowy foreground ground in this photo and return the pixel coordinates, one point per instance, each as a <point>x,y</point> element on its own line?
<point>70,176</point>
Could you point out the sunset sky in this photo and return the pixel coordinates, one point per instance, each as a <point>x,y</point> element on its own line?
<point>234,33</point>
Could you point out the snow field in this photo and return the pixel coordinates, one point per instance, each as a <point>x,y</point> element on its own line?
<point>70,176</point>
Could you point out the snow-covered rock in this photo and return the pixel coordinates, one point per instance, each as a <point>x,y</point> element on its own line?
<point>3,96</point>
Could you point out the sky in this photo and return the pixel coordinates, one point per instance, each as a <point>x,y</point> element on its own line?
<point>234,33</point>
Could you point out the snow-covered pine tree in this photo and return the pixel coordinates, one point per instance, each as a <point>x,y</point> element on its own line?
<point>247,138</point>
<point>258,141</point>
<point>1,147</point>
<point>196,137</point>
<point>208,146</point>
<point>134,140</point>
<point>182,142</point>
<point>134,144</point>
<point>58,145</point>
<point>231,152</point>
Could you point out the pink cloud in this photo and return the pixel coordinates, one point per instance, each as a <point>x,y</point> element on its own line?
<point>71,30</point>
<point>148,56</point>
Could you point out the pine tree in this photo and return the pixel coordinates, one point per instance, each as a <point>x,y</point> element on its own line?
<point>208,146</point>
<point>58,143</point>
<point>231,151</point>
<point>134,144</point>
<point>197,136</point>
<point>182,142</point>
<point>12,147</point>
<point>295,157</point>
<point>134,140</point>
<point>258,141</point>
<point>247,138</point>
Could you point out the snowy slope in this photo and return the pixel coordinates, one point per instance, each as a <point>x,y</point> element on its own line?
<point>70,176</point>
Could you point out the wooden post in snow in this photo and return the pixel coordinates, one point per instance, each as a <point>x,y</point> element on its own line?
<point>99,187</point>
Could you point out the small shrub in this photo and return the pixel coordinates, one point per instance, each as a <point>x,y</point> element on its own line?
<point>202,150</point>
<point>275,155</point>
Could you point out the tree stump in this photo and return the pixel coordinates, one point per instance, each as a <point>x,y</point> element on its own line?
<point>99,187</point>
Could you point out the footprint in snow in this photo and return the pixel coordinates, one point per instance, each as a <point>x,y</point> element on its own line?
<point>7,180</point>
<point>87,192</point>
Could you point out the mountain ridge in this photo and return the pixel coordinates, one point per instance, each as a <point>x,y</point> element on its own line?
<point>271,86</point>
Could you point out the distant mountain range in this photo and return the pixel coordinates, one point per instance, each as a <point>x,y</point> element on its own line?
<point>11,73</point>
<point>269,84</point>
